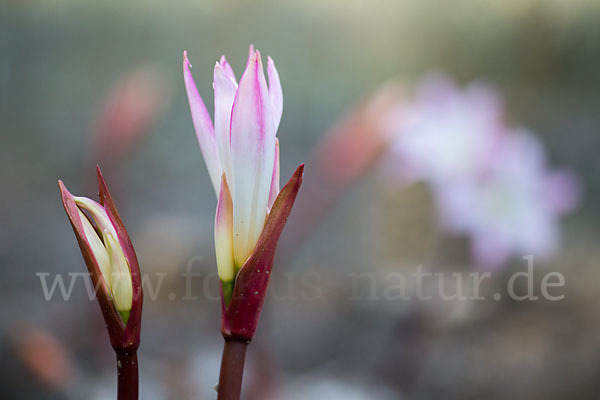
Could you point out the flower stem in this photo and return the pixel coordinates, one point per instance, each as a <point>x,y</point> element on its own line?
<point>127,373</point>
<point>232,370</point>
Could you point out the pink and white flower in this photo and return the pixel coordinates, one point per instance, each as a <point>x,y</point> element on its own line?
<point>241,152</point>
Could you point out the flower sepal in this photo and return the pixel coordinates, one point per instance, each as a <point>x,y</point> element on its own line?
<point>241,315</point>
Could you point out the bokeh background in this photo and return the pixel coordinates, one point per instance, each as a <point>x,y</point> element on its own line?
<point>100,82</point>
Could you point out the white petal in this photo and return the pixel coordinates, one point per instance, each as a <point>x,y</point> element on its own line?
<point>252,153</point>
<point>225,90</point>
<point>97,212</point>
<point>224,234</point>
<point>228,70</point>
<point>98,249</point>
<point>122,288</point>
<point>275,177</point>
<point>275,92</point>
<point>251,52</point>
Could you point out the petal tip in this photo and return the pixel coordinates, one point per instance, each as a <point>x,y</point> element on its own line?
<point>186,60</point>
<point>250,54</point>
<point>99,174</point>
<point>63,189</point>
<point>219,68</point>
<point>252,58</point>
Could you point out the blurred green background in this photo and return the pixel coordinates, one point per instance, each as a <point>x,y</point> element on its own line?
<point>60,58</point>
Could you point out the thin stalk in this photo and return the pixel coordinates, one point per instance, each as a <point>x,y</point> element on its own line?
<point>232,370</point>
<point>127,373</point>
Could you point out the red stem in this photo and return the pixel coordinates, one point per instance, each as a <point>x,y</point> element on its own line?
<point>127,372</point>
<point>232,370</point>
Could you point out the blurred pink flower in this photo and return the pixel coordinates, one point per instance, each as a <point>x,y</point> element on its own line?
<point>44,355</point>
<point>124,119</point>
<point>512,206</point>
<point>490,183</point>
<point>446,133</point>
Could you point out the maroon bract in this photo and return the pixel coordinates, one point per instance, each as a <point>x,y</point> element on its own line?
<point>240,318</point>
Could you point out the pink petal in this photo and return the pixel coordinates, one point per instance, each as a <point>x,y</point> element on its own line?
<point>563,191</point>
<point>489,252</point>
<point>203,126</point>
<point>228,70</point>
<point>275,92</point>
<point>275,177</point>
<point>253,157</point>
<point>225,90</point>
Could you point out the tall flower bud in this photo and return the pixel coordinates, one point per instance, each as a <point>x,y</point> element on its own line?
<point>111,261</point>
